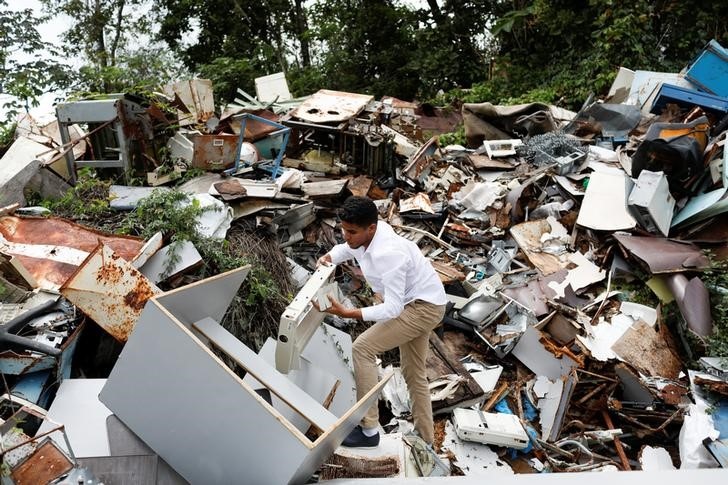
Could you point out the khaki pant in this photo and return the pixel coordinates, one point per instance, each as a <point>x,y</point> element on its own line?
<point>410,331</point>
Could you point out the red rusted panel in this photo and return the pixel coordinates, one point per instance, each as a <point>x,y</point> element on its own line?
<point>49,270</point>
<point>47,463</point>
<point>214,152</point>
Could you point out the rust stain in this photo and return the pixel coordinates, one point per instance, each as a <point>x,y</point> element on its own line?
<point>672,394</point>
<point>60,232</point>
<point>138,296</point>
<point>109,274</point>
<point>44,465</point>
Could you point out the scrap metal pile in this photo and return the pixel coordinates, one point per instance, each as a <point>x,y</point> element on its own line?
<point>578,252</point>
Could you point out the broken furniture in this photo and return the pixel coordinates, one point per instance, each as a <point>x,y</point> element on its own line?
<point>170,362</point>
<point>301,319</point>
<point>117,116</point>
<point>283,131</point>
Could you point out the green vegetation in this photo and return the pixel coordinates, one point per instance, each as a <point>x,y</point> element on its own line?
<point>716,280</point>
<point>87,200</point>
<point>253,315</point>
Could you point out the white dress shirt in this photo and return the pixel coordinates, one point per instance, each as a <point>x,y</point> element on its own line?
<point>395,268</point>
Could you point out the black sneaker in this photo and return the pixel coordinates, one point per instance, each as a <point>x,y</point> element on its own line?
<point>357,439</point>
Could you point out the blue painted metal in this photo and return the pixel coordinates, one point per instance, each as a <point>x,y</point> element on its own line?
<point>17,363</point>
<point>30,387</point>
<point>282,130</point>
<point>709,70</point>
<point>688,98</point>
<point>719,450</point>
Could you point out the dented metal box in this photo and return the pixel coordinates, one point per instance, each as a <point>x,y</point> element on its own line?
<point>214,152</point>
<point>651,202</point>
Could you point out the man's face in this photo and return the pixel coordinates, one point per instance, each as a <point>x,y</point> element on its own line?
<point>356,236</point>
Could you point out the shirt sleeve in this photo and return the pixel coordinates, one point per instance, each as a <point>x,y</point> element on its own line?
<point>393,281</point>
<point>340,253</point>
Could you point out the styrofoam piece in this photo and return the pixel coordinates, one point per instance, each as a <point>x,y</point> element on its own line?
<point>655,458</point>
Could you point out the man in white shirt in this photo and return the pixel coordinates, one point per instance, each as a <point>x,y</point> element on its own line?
<point>413,305</point>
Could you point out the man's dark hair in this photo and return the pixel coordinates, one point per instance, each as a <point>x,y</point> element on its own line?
<point>359,211</point>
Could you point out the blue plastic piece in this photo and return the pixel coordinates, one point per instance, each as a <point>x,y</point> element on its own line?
<point>688,98</point>
<point>502,407</point>
<point>529,411</point>
<point>709,71</point>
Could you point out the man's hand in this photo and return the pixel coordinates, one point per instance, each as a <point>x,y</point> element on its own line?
<point>324,260</point>
<point>338,309</point>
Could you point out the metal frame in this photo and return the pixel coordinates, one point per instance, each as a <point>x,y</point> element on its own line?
<point>284,130</point>
<point>93,111</point>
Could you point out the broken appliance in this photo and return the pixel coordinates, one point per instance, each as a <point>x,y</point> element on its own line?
<point>490,428</point>
<point>301,319</point>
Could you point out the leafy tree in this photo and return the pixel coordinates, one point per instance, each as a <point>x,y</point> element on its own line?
<point>27,65</point>
<point>575,47</point>
<point>110,35</point>
<point>453,44</point>
<point>367,46</point>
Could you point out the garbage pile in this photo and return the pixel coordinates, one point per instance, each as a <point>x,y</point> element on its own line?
<point>583,254</point>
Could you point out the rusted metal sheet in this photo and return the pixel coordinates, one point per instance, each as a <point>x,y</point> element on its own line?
<point>327,106</point>
<point>110,291</point>
<point>44,465</point>
<point>663,255</point>
<point>194,99</point>
<point>51,249</point>
<point>214,152</point>
<point>254,129</point>
<point>418,167</point>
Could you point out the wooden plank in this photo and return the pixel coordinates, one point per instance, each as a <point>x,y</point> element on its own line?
<point>440,361</point>
<point>276,382</point>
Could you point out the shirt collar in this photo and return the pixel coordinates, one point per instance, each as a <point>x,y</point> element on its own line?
<point>379,237</point>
